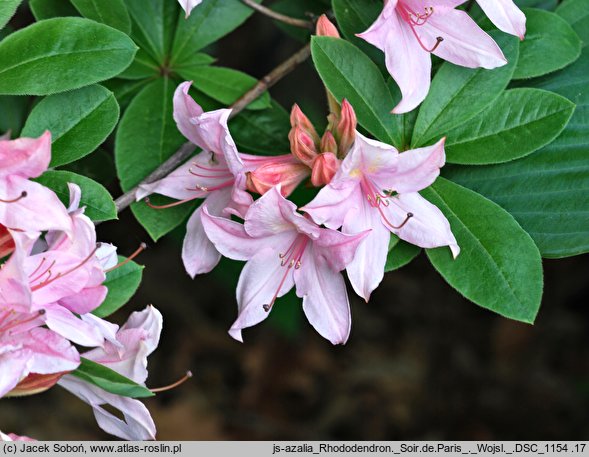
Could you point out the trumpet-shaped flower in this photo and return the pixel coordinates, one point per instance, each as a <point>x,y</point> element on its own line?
<point>408,31</point>
<point>285,249</point>
<point>136,340</point>
<point>219,174</point>
<point>24,204</point>
<point>377,188</point>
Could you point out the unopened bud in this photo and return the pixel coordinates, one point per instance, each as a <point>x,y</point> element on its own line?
<point>345,130</point>
<point>298,119</point>
<point>302,146</point>
<point>35,384</point>
<point>328,143</point>
<point>288,173</point>
<point>326,28</point>
<point>324,169</point>
<point>6,242</point>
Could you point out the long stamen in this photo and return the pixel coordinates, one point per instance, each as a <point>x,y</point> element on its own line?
<point>181,381</point>
<point>267,307</point>
<point>170,205</point>
<point>16,323</point>
<point>390,224</point>
<point>142,247</point>
<point>47,270</point>
<point>61,275</point>
<point>14,200</point>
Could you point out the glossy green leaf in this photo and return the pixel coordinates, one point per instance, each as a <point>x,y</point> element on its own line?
<point>142,67</point>
<point>550,44</point>
<point>122,283</point>
<point>154,23</point>
<point>576,13</point>
<point>109,380</point>
<point>98,166</point>
<point>349,73</point>
<point>13,112</point>
<point>212,20</point>
<point>79,122</point>
<point>47,9</point>
<point>146,137</point>
<point>548,191</point>
<point>109,12</point>
<point>61,54</point>
<point>224,85</point>
<point>499,267</point>
<point>400,254</point>
<point>518,123</point>
<point>125,89</point>
<point>194,62</point>
<point>98,202</point>
<point>457,94</point>
<point>7,10</point>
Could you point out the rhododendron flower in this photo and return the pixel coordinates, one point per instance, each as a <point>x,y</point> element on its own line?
<point>284,248</point>
<point>136,340</point>
<point>377,188</point>
<point>189,5</point>
<point>218,174</point>
<point>13,437</point>
<point>506,16</point>
<point>24,204</point>
<point>408,31</point>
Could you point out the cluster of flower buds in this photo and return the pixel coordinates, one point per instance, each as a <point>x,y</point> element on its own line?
<point>52,274</point>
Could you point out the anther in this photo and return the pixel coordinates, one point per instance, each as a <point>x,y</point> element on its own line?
<point>267,308</point>
<point>438,42</point>
<point>181,381</point>
<point>22,195</point>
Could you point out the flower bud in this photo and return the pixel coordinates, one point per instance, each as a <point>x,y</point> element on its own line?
<point>6,242</point>
<point>35,384</point>
<point>345,130</point>
<point>324,169</point>
<point>326,28</point>
<point>302,146</point>
<point>288,173</point>
<point>298,119</point>
<point>328,143</point>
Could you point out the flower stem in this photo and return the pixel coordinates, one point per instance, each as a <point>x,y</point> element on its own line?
<point>279,17</point>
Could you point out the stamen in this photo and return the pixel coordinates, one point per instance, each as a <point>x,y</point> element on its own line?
<point>60,275</point>
<point>170,205</point>
<point>390,224</point>
<point>181,381</point>
<point>47,270</point>
<point>142,247</point>
<point>14,200</point>
<point>16,323</point>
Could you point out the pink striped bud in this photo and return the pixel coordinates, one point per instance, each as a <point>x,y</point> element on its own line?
<point>326,28</point>
<point>298,119</point>
<point>302,146</point>
<point>35,384</point>
<point>328,143</point>
<point>324,169</point>
<point>289,174</point>
<point>345,129</point>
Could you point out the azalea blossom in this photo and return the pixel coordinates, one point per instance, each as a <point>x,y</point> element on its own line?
<point>218,174</point>
<point>506,16</point>
<point>284,249</point>
<point>127,355</point>
<point>189,5</point>
<point>24,204</point>
<point>377,188</point>
<point>13,437</point>
<point>408,31</point>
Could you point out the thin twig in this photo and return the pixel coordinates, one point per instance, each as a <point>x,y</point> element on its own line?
<point>279,17</point>
<point>187,149</point>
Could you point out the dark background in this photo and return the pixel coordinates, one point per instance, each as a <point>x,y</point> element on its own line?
<point>421,363</point>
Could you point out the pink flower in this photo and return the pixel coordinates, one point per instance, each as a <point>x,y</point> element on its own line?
<point>27,205</point>
<point>189,5</point>
<point>505,15</point>
<point>218,174</point>
<point>377,188</point>
<point>135,341</point>
<point>13,437</point>
<point>284,249</point>
<point>408,31</point>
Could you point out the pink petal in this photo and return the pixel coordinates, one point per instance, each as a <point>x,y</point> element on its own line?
<point>25,157</point>
<point>505,15</point>
<point>51,352</point>
<point>185,108</point>
<point>332,204</point>
<point>465,43</point>
<point>428,228</point>
<point>412,170</point>
<point>325,299</point>
<point>68,325</point>
<point>85,301</point>
<point>336,248</point>
<point>262,278</point>
<point>189,5</point>
<point>14,366</point>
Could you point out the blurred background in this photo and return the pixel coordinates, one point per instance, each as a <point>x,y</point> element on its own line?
<point>421,363</point>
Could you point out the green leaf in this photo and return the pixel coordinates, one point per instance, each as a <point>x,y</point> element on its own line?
<point>550,44</point>
<point>457,94</point>
<point>98,166</point>
<point>301,9</point>
<point>109,380</point>
<point>147,136</point>
<point>7,10</point>
<point>576,13</point>
<point>13,112</point>
<point>212,20</point>
<point>154,23</point>
<point>224,85</point>
<point>122,283</point>
<point>125,90</point>
<point>349,73</point>
<point>98,202</point>
<point>547,192</point>
<point>47,9</point>
<point>400,254</point>
<point>79,122</point>
<point>109,12</point>
<point>142,67</point>
<point>520,122</point>
<point>262,132</point>
<point>61,54</point>
<point>499,267</point>
<point>194,62</point>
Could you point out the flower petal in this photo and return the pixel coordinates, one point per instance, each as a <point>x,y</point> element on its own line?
<point>505,15</point>
<point>25,157</point>
<point>185,108</point>
<point>332,204</point>
<point>189,5</point>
